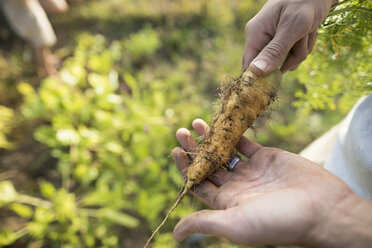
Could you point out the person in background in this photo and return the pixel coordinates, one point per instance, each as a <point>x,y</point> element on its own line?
<point>29,21</point>
<point>277,197</point>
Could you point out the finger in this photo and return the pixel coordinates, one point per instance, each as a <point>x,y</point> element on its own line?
<point>220,177</point>
<point>311,42</point>
<point>247,147</point>
<point>270,57</point>
<point>182,160</point>
<point>211,222</point>
<point>298,54</point>
<point>187,141</point>
<point>259,31</point>
<point>294,68</point>
<point>200,126</point>
<point>206,191</point>
<point>255,41</point>
<point>204,222</point>
<point>274,53</point>
<point>237,166</point>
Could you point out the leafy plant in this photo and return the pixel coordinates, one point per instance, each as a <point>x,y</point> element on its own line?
<point>6,118</point>
<point>339,71</point>
<point>106,141</point>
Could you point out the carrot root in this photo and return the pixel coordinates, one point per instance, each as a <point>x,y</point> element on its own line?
<point>182,195</point>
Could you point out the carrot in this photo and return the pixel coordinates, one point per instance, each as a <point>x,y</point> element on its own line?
<point>242,103</point>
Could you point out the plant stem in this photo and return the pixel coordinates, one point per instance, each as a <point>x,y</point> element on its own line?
<point>21,232</point>
<point>353,8</point>
<point>26,199</point>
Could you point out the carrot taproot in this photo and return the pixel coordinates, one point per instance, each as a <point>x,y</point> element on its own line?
<point>241,104</point>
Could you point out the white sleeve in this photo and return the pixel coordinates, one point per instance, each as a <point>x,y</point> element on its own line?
<point>351,157</point>
<point>28,20</point>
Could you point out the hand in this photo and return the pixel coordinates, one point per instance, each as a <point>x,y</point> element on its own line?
<point>282,27</point>
<point>276,197</point>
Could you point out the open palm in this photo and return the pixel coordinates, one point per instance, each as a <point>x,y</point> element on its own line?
<point>276,197</point>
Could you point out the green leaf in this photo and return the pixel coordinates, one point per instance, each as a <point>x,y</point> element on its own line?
<point>7,237</point>
<point>47,189</point>
<point>68,136</point>
<point>43,215</point>
<point>25,89</point>
<point>143,43</point>
<point>110,241</point>
<point>46,134</point>
<point>64,205</point>
<point>7,192</point>
<point>133,85</point>
<point>22,210</point>
<point>6,119</point>
<point>37,229</point>
<point>118,217</point>
<point>85,173</point>
<point>165,240</point>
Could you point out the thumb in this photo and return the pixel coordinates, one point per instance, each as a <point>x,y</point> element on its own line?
<point>272,55</point>
<point>212,222</point>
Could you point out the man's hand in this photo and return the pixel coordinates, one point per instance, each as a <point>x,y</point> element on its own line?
<point>283,27</point>
<point>276,197</point>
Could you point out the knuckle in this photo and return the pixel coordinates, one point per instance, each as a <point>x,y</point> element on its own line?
<point>254,25</point>
<point>275,50</point>
<point>248,26</point>
<point>301,22</point>
<point>304,20</point>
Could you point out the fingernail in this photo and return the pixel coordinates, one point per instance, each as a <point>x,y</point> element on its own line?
<point>196,121</point>
<point>260,64</point>
<point>183,130</point>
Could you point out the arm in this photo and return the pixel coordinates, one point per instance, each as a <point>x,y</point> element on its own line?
<point>281,28</point>
<point>276,197</point>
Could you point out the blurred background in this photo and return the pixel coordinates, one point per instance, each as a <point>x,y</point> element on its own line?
<point>85,144</point>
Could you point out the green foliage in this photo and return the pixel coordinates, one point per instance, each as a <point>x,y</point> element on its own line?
<point>7,237</point>
<point>7,192</point>
<point>143,43</point>
<point>22,210</point>
<point>166,240</point>
<point>106,141</point>
<point>6,119</point>
<point>339,71</point>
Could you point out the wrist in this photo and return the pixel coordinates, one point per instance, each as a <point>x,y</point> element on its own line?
<point>347,224</point>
